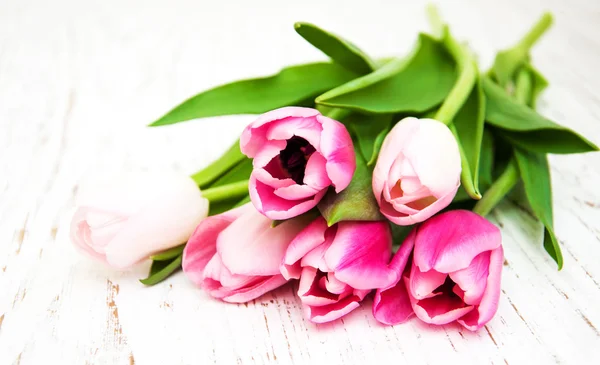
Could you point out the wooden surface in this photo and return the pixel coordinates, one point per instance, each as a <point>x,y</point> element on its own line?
<point>80,80</point>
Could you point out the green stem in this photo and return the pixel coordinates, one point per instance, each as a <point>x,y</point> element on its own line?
<point>435,20</point>
<point>232,191</point>
<point>466,68</point>
<point>523,87</point>
<point>535,32</point>
<point>498,190</point>
<point>466,177</point>
<point>212,172</point>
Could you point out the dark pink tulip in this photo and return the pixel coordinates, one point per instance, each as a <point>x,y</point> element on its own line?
<point>298,154</point>
<point>453,274</point>
<point>235,256</point>
<point>338,266</point>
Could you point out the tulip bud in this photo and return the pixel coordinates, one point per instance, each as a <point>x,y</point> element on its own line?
<point>137,215</point>
<point>418,171</point>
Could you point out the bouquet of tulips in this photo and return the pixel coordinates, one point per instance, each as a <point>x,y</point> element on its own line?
<point>360,175</point>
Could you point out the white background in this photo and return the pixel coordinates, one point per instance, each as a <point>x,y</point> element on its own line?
<point>79,80</point>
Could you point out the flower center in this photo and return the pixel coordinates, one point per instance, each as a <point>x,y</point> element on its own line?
<point>294,157</point>
<point>447,289</point>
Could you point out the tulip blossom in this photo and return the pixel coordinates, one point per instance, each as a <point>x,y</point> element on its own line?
<point>453,273</point>
<point>235,256</point>
<point>418,171</point>
<point>338,266</point>
<point>298,154</point>
<point>132,217</point>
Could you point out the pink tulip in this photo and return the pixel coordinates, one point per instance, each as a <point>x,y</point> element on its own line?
<point>418,171</point>
<point>298,153</point>
<point>132,217</point>
<point>338,266</point>
<point>453,275</point>
<point>235,256</point>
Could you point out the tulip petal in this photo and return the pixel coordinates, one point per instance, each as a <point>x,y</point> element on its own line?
<point>439,309</point>
<point>267,152</point>
<point>250,246</point>
<point>307,128</point>
<point>296,192</point>
<point>202,245</point>
<point>328,313</point>
<point>149,231</point>
<point>360,253</point>
<point>392,304</point>
<point>473,279</point>
<point>309,290</point>
<point>333,285</point>
<point>315,174</point>
<point>428,211</point>
<point>337,148</point>
<point>435,157</point>
<point>489,302</point>
<point>254,136</point>
<point>282,113</point>
<point>316,257</point>
<point>264,199</point>
<point>255,291</point>
<point>450,241</point>
<point>80,231</point>
<point>309,238</point>
<point>422,284</point>
<point>392,148</point>
<point>266,178</point>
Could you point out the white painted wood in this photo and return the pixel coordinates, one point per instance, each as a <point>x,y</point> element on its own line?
<point>79,80</point>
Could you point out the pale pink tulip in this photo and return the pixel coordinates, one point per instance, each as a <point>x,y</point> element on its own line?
<point>298,154</point>
<point>235,256</point>
<point>136,215</point>
<point>338,266</point>
<point>418,171</point>
<point>453,274</point>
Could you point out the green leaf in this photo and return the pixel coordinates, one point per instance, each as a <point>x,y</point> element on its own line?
<point>230,192</point>
<point>355,203</point>
<point>160,270</point>
<point>539,84</point>
<point>291,86</point>
<point>529,85</point>
<point>232,157</point>
<point>337,48</point>
<point>468,128</point>
<point>486,160</point>
<point>535,173</point>
<point>225,205</point>
<point>239,172</point>
<point>222,206</point>
<point>415,84</point>
<point>242,202</point>
<point>168,254</point>
<point>369,131</point>
<point>525,128</point>
<point>507,62</point>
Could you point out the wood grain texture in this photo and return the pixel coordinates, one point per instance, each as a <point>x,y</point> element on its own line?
<point>79,80</point>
